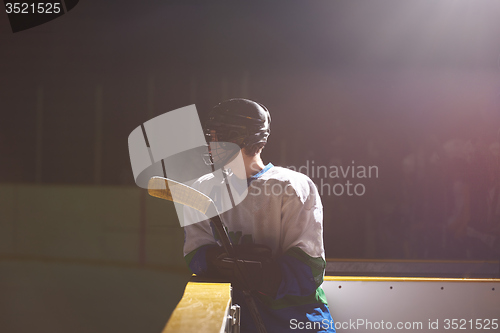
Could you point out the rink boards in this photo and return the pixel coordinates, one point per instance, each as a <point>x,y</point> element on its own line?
<point>367,304</point>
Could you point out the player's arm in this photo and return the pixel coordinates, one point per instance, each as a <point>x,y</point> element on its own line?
<point>205,257</point>
<point>198,238</point>
<point>302,264</point>
<point>253,269</point>
<point>300,270</point>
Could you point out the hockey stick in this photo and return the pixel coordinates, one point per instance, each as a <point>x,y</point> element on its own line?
<point>171,190</point>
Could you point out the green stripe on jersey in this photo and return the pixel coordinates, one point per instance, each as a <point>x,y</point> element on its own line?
<point>289,300</point>
<point>317,265</point>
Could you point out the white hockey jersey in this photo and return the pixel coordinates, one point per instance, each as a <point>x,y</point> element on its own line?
<point>281,209</point>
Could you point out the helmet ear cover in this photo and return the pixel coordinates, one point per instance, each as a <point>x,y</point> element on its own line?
<point>230,133</point>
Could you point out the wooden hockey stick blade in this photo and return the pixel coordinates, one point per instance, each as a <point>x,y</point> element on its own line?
<point>171,190</point>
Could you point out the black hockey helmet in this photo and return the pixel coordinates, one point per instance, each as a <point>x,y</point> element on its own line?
<point>240,121</point>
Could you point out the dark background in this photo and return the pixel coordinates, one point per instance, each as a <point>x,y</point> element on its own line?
<point>412,87</point>
<point>383,83</point>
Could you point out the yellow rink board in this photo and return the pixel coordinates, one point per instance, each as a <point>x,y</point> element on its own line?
<point>404,279</point>
<point>202,308</point>
<point>204,305</point>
